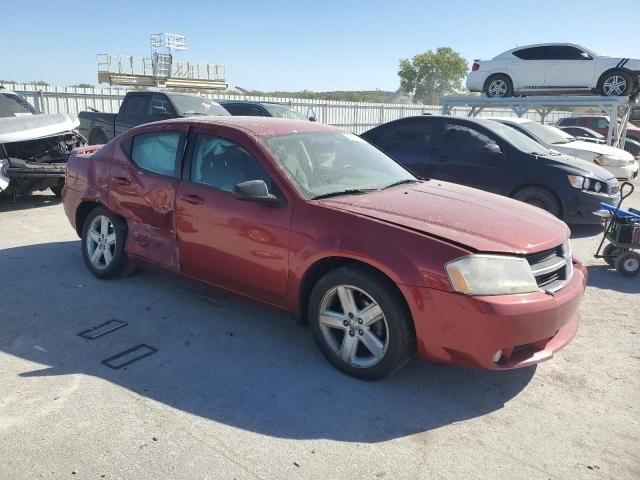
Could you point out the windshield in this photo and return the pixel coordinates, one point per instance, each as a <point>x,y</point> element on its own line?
<point>517,139</point>
<point>280,111</point>
<point>12,105</point>
<point>547,134</point>
<point>328,163</point>
<point>194,105</point>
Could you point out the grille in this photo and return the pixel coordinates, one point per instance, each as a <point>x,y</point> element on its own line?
<point>551,268</point>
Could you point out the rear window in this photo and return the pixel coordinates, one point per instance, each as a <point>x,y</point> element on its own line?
<point>158,152</point>
<point>534,53</point>
<point>136,105</point>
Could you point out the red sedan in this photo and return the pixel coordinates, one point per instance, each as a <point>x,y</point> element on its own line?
<point>316,221</point>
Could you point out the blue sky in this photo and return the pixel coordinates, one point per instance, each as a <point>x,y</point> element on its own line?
<point>295,45</point>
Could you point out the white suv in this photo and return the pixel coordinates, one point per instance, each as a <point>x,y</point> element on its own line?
<point>554,68</point>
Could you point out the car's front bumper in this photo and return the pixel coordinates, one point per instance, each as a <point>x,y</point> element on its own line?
<point>35,170</point>
<point>625,172</point>
<point>579,206</point>
<point>525,328</point>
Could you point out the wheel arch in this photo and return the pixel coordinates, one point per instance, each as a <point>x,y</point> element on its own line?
<point>323,265</point>
<point>513,192</point>
<point>613,70</point>
<point>485,85</point>
<point>83,211</point>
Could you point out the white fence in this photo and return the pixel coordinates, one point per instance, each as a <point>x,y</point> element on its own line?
<point>356,117</point>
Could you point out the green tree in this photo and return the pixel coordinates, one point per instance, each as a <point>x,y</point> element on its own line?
<point>431,75</point>
<point>82,85</point>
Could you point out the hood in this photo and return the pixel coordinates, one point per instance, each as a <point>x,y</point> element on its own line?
<point>577,147</point>
<point>31,127</point>
<point>479,220</point>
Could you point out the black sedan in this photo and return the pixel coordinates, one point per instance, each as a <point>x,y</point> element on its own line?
<point>493,157</point>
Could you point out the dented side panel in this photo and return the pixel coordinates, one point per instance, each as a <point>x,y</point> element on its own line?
<point>147,201</point>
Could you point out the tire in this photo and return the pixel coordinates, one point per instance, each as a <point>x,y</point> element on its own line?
<point>498,86</point>
<point>611,253</point>
<point>615,84</point>
<point>97,137</point>
<point>628,264</point>
<point>541,198</point>
<point>111,239</point>
<point>57,188</point>
<point>377,326</point>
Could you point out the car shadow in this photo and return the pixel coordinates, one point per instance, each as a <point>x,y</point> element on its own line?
<point>605,277</point>
<point>221,357</point>
<point>9,203</point>
<point>584,231</point>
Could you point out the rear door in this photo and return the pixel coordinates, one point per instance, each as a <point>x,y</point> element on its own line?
<point>461,158</point>
<point>239,245</point>
<point>569,67</point>
<point>134,112</point>
<point>143,180</point>
<point>409,142</point>
<point>527,70</point>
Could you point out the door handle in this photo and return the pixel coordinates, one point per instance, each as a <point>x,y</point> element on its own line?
<point>122,180</point>
<point>192,199</point>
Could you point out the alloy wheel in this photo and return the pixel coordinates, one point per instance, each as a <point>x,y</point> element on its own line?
<point>101,242</point>
<point>354,326</point>
<point>615,85</point>
<point>497,88</point>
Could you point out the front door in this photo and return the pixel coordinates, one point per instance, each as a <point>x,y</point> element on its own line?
<point>568,68</point>
<point>462,156</point>
<point>236,244</point>
<point>143,180</point>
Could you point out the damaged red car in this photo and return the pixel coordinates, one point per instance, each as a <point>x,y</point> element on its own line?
<point>313,220</point>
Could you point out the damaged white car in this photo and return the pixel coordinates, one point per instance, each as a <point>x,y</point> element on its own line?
<point>33,147</point>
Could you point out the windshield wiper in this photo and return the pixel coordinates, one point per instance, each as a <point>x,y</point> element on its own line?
<point>192,113</point>
<point>351,191</point>
<point>400,182</point>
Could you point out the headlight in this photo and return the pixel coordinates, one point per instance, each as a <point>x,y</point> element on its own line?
<point>491,275</point>
<point>587,184</point>
<point>605,160</point>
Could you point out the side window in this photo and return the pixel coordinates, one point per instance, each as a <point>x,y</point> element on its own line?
<point>534,53</point>
<point>222,164</point>
<point>568,121</point>
<point>601,123</point>
<point>159,102</point>
<point>244,110</point>
<point>158,152</point>
<point>566,52</point>
<point>463,138</point>
<point>136,105</point>
<point>414,131</point>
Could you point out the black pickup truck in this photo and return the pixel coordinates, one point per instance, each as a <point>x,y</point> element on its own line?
<point>144,107</point>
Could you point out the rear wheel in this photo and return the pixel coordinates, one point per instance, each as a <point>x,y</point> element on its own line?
<point>611,253</point>
<point>103,238</point>
<point>361,323</point>
<point>539,197</point>
<point>498,86</point>
<point>615,84</point>
<point>628,264</point>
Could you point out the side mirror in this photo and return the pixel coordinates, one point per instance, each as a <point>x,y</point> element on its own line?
<point>254,191</point>
<point>158,110</point>
<point>491,150</point>
<point>311,114</point>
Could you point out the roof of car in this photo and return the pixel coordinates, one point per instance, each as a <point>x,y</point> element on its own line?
<point>259,126</point>
<point>250,102</point>
<point>510,119</point>
<point>552,44</point>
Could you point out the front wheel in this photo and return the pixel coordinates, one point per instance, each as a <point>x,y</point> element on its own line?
<point>616,84</point>
<point>628,264</point>
<point>57,188</point>
<point>539,197</point>
<point>103,238</point>
<point>361,323</point>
